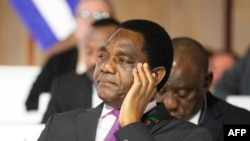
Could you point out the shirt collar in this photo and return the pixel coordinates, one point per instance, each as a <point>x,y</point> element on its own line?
<point>107,109</point>
<point>195,118</point>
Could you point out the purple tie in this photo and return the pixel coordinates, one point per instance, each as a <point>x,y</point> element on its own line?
<point>110,136</point>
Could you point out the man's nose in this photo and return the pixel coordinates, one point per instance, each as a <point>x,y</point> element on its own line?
<point>171,102</point>
<point>109,66</point>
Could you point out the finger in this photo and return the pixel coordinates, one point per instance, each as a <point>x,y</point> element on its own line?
<point>150,76</point>
<point>137,80</point>
<point>143,78</point>
<point>151,80</point>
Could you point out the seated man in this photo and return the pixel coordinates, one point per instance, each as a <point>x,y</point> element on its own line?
<point>134,62</point>
<point>71,90</point>
<point>186,94</point>
<point>87,11</point>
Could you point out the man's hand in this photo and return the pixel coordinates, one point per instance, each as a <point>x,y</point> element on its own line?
<point>138,96</point>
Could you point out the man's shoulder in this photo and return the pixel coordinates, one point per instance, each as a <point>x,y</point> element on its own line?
<point>70,82</point>
<point>175,127</point>
<point>182,129</point>
<point>183,125</point>
<point>69,52</point>
<point>72,75</point>
<point>69,117</point>
<point>74,114</point>
<point>66,77</point>
<point>227,110</point>
<point>65,56</point>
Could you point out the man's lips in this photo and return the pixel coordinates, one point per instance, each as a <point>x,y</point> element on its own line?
<point>106,82</point>
<point>176,115</point>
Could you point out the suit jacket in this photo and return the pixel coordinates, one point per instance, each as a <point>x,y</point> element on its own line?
<point>69,91</point>
<point>218,112</point>
<point>56,65</point>
<point>156,125</point>
<point>235,81</point>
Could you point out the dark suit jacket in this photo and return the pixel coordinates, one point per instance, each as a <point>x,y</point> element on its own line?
<point>69,91</point>
<point>56,65</point>
<point>218,113</point>
<point>80,125</point>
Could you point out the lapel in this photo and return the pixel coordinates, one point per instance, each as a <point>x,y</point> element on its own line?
<point>212,116</point>
<point>91,115</point>
<point>215,128</point>
<point>212,112</point>
<point>156,118</point>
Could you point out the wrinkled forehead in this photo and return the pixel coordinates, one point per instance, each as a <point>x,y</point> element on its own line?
<point>184,72</point>
<point>126,40</point>
<point>123,36</point>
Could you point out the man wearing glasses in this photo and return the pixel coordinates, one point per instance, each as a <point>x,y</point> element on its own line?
<point>87,11</point>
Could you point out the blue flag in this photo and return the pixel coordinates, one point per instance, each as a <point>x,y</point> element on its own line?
<point>49,21</point>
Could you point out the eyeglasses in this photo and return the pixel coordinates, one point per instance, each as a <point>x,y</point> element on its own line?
<point>97,15</point>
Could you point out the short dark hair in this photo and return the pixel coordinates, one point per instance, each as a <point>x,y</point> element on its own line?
<point>157,44</point>
<point>106,22</point>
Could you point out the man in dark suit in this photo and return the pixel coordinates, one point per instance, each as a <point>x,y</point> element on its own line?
<point>186,94</point>
<point>87,11</point>
<point>71,90</point>
<point>134,62</point>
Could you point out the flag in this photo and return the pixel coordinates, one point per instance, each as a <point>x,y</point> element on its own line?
<point>49,21</point>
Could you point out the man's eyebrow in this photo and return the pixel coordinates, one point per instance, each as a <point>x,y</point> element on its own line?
<point>103,48</point>
<point>119,53</point>
<point>125,53</point>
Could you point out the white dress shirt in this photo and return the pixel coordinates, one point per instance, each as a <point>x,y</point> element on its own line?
<point>107,120</point>
<point>195,118</point>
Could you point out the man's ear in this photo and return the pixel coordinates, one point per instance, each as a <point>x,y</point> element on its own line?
<point>208,79</point>
<point>160,72</point>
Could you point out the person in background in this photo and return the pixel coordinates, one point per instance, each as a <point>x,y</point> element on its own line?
<point>133,63</point>
<point>219,63</point>
<point>236,81</point>
<point>70,90</point>
<point>186,93</point>
<point>87,11</point>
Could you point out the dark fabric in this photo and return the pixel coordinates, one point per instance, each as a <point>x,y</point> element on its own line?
<point>69,91</point>
<point>218,113</point>
<point>235,81</point>
<point>56,65</point>
<point>157,125</point>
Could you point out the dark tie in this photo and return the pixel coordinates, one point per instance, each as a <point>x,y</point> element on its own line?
<point>110,136</point>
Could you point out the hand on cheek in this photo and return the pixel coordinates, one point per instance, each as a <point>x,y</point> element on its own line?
<point>139,95</point>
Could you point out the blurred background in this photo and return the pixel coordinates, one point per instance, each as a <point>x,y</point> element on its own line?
<point>217,24</point>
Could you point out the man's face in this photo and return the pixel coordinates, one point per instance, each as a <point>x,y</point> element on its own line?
<point>95,38</point>
<point>113,73</point>
<point>85,8</point>
<point>184,92</point>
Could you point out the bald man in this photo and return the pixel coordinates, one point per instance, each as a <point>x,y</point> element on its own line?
<point>186,93</point>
